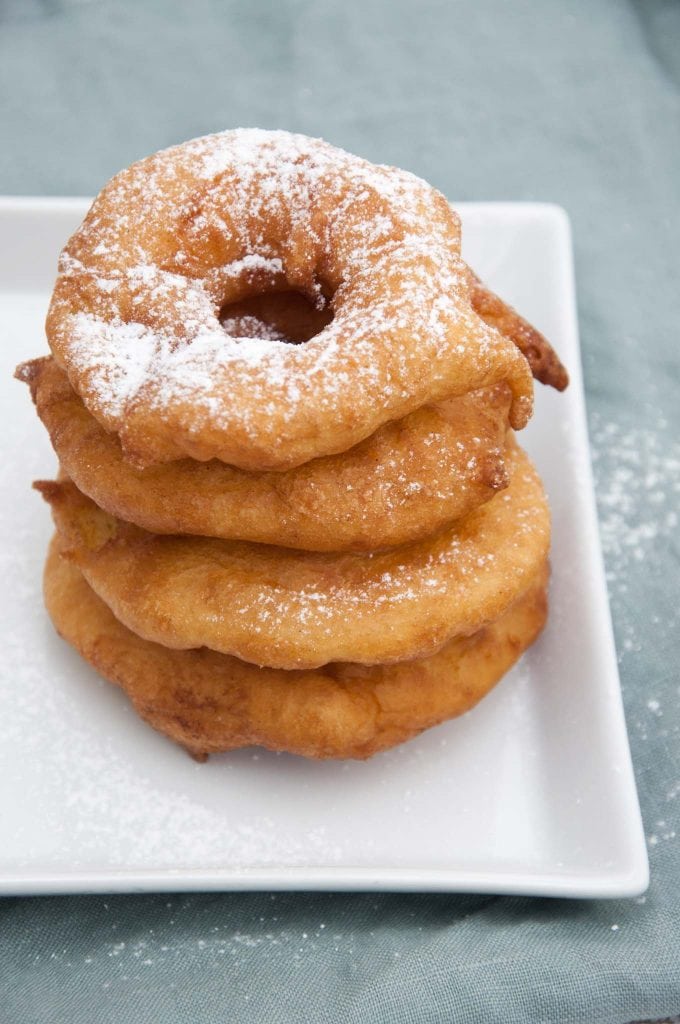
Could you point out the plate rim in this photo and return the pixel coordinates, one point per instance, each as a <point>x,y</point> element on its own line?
<point>630,880</point>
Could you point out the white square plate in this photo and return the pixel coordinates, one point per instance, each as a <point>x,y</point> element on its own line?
<point>532,792</point>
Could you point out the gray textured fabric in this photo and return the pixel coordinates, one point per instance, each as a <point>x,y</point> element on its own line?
<point>577,103</point>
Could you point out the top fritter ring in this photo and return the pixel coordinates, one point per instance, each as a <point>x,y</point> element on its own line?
<point>175,239</point>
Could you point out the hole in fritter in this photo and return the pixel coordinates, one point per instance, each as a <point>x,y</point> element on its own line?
<point>286,316</point>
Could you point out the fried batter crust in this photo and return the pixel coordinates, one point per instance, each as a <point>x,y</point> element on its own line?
<point>210,702</point>
<point>135,313</point>
<point>297,609</point>
<point>408,480</point>
<point>544,362</point>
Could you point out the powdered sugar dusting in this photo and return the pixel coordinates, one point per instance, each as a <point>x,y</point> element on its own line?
<point>638,476</point>
<point>178,236</point>
<point>637,469</point>
<point>304,609</point>
<point>640,500</point>
<point>253,327</point>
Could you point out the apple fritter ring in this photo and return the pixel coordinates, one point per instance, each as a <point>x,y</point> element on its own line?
<point>299,609</point>
<point>210,702</point>
<point>408,480</point>
<point>135,317</point>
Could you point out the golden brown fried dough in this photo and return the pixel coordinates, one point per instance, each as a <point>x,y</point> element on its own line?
<point>408,480</point>
<point>537,350</point>
<point>297,609</point>
<point>135,318</point>
<point>210,702</point>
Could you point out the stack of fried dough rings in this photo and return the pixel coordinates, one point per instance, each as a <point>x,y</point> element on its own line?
<point>291,510</point>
